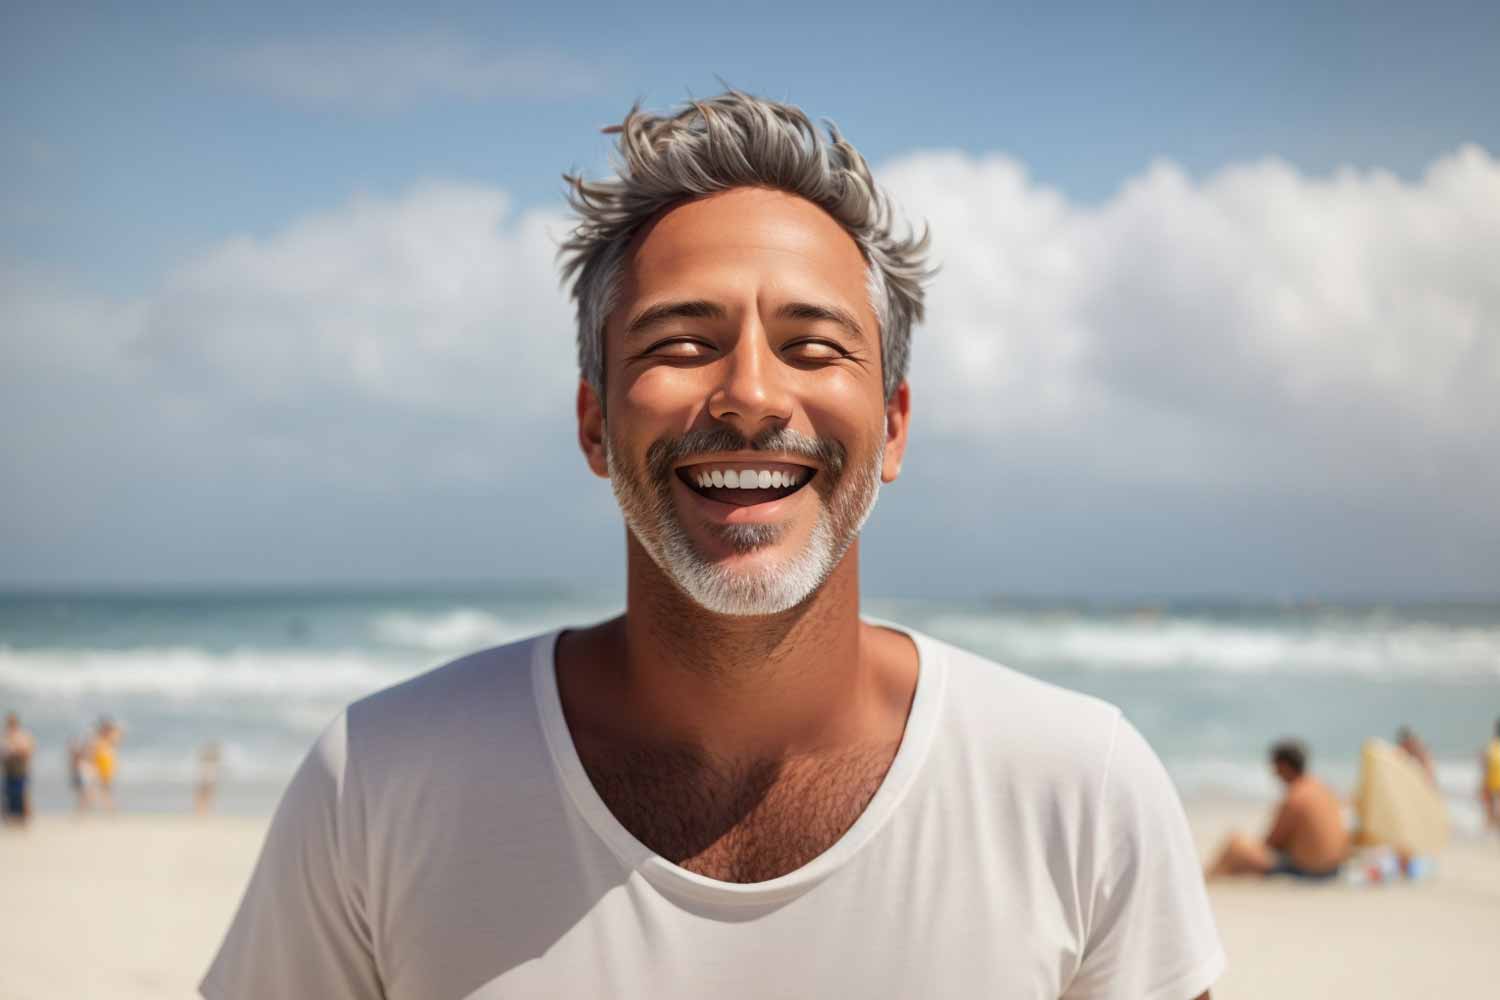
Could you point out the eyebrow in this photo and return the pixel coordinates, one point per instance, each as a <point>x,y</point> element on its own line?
<point>824,313</point>
<point>664,311</point>
<point>703,309</point>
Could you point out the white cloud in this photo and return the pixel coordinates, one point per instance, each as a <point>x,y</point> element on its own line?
<point>1259,326</point>
<point>1258,334</point>
<point>390,73</point>
<point>391,346</point>
<point>431,301</point>
<point>421,336</point>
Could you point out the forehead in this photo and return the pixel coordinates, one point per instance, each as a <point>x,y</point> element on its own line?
<point>733,240</point>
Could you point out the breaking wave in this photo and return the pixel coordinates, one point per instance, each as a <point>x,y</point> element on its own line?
<point>1393,650</point>
<point>189,674</point>
<point>454,631</point>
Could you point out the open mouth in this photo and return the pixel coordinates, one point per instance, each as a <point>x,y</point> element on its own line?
<point>745,484</point>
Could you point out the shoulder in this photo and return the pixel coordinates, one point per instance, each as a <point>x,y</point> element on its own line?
<point>416,749</point>
<point>438,714</point>
<point>500,673</point>
<point>1006,688</point>
<point>1307,789</point>
<point>1049,730</point>
<point>1072,756</point>
<point>1320,794</point>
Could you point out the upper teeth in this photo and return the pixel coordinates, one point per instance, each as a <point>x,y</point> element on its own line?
<point>747,479</point>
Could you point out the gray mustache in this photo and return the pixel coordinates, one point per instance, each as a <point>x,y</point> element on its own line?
<point>668,452</point>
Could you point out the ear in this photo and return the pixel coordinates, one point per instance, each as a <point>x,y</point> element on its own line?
<point>591,428</point>
<point>897,422</point>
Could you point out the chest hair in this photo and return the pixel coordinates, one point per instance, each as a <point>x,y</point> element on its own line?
<point>736,820</point>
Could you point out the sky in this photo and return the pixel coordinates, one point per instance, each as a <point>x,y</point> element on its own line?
<point>1218,311</point>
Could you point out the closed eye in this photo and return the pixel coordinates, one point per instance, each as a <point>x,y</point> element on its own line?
<point>816,350</point>
<point>683,348</point>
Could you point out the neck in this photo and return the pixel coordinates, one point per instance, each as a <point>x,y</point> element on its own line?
<point>809,680</point>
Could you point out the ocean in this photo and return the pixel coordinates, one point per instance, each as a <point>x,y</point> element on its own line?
<point>261,672</point>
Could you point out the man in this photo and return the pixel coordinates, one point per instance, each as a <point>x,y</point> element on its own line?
<point>15,753</point>
<point>78,773</point>
<point>1308,837</point>
<point>1412,744</point>
<point>738,788</point>
<point>207,787</point>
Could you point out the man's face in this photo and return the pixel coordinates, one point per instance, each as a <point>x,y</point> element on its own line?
<point>744,349</point>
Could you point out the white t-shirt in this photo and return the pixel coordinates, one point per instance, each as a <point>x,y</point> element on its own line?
<point>442,841</point>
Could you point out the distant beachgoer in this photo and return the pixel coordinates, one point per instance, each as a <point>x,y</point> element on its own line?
<point>17,749</point>
<point>208,778</point>
<point>104,754</point>
<point>78,779</point>
<point>1308,837</point>
<point>1408,741</point>
<point>1490,789</point>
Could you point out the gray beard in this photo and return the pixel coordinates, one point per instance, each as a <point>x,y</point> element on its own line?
<point>846,497</point>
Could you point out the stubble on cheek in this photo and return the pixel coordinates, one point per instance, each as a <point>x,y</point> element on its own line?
<point>661,458</point>
<point>644,491</point>
<point>844,496</point>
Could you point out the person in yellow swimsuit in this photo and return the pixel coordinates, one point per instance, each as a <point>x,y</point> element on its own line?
<point>105,748</point>
<point>1489,789</point>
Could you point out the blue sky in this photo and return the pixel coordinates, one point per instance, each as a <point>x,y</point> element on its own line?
<point>1314,189</point>
<point>128,143</point>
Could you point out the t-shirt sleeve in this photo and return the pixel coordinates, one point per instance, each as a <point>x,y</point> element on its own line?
<point>301,929</point>
<point>1149,933</point>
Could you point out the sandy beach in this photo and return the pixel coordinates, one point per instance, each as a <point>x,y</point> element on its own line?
<point>131,907</point>
<point>1299,941</point>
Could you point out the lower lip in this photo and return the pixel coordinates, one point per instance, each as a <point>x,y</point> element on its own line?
<point>728,513</point>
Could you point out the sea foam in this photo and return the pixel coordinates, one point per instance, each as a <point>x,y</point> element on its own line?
<point>1371,650</point>
<point>192,674</point>
<point>454,631</point>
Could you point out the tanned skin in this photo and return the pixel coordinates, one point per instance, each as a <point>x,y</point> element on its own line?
<point>740,747</point>
<point>1308,827</point>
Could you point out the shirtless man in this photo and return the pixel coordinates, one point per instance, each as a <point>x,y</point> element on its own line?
<point>738,788</point>
<point>1308,837</point>
<point>16,749</point>
<point>1410,742</point>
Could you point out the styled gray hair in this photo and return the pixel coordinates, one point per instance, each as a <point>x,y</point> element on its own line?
<point>731,141</point>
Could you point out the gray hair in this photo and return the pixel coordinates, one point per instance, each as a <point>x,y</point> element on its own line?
<point>736,140</point>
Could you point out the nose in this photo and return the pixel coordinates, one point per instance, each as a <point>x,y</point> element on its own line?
<point>752,394</point>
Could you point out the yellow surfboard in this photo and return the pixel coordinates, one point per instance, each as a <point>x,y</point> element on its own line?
<point>1397,804</point>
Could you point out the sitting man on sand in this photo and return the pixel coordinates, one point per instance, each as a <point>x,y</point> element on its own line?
<point>1308,838</point>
